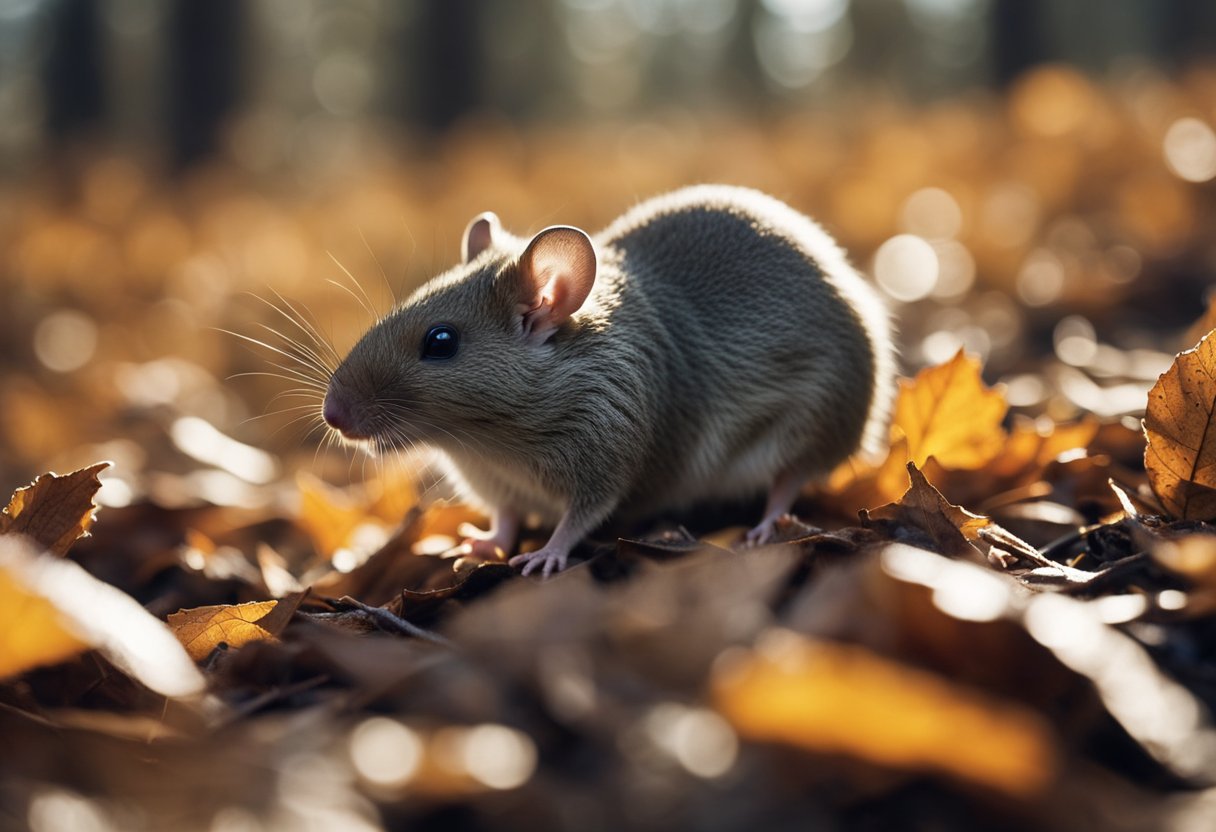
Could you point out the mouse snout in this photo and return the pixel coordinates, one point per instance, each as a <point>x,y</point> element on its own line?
<point>337,414</point>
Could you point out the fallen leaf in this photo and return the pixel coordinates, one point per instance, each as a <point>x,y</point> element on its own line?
<point>1033,443</point>
<point>945,414</point>
<point>948,413</point>
<point>1180,426</point>
<point>1192,555</point>
<point>838,699</point>
<point>328,515</point>
<point>56,609</point>
<point>392,493</point>
<point>33,632</point>
<point>202,629</point>
<point>951,529</point>
<point>280,614</point>
<point>54,511</point>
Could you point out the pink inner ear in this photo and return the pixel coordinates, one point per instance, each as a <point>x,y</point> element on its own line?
<point>559,268</point>
<point>479,235</point>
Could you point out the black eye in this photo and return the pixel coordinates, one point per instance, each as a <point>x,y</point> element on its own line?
<point>441,341</point>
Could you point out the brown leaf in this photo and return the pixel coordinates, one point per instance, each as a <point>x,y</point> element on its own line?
<point>953,530</point>
<point>946,412</point>
<point>1180,425</point>
<point>202,629</point>
<point>54,511</point>
<point>834,699</point>
<point>280,615</point>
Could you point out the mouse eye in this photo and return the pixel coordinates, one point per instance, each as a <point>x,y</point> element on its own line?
<point>441,341</point>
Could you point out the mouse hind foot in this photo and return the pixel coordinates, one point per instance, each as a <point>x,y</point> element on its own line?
<point>781,496</point>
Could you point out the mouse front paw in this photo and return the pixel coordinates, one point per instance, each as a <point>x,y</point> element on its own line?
<point>479,548</point>
<point>548,561</point>
<point>764,532</point>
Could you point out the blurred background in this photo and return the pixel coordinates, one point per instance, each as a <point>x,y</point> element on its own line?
<point>1030,180</point>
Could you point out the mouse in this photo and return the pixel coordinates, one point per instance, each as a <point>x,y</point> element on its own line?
<point>711,343</point>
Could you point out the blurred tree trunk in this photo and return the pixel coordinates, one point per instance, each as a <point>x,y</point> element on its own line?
<point>205,74</point>
<point>73,70</point>
<point>1018,38</point>
<point>447,71</point>
<point>1189,31</point>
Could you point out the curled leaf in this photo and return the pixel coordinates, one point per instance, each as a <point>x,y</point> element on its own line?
<point>951,529</point>
<point>54,511</point>
<point>1180,425</point>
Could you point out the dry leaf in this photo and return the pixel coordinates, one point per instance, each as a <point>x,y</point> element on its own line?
<point>953,530</point>
<point>946,412</point>
<point>326,514</point>
<point>1192,555</point>
<point>392,494</point>
<point>835,699</point>
<point>54,511</point>
<point>1180,425</point>
<point>202,629</point>
<point>56,609</point>
<point>1034,443</point>
<point>32,631</point>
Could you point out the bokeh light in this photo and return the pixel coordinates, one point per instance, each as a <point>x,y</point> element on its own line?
<point>1190,150</point>
<point>385,752</point>
<point>906,266</point>
<point>65,340</point>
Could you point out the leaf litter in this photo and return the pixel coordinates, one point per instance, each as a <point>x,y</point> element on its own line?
<point>922,649</point>
<point>1019,635</point>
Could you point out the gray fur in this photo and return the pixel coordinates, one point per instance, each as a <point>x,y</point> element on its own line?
<point>726,341</point>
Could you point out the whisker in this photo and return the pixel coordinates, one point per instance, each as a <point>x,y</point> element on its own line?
<point>307,324</point>
<point>289,356</point>
<point>313,384</point>
<point>379,266</point>
<point>306,354</point>
<point>282,411</point>
<point>366,305</point>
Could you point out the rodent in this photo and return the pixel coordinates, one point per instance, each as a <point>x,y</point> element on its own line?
<point>710,343</point>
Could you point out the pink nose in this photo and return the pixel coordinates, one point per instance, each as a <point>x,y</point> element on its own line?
<point>336,414</point>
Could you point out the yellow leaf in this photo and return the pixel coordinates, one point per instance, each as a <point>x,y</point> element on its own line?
<point>54,511</point>
<point>391,494</point>
<point>202,629</point>
<point>32,631</point>
<point>51,609</point>
<point>326,514</point>
<point>836,699</point>
<point>1193,555</point>
<point>1180,425</point>
<point>946,412</point>
<point>1034,443</point>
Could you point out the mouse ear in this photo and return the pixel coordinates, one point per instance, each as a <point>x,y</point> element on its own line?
<point>480,234</point>
<point>557,271</point>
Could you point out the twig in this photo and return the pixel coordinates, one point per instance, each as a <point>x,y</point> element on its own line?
<point>386,620</point>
